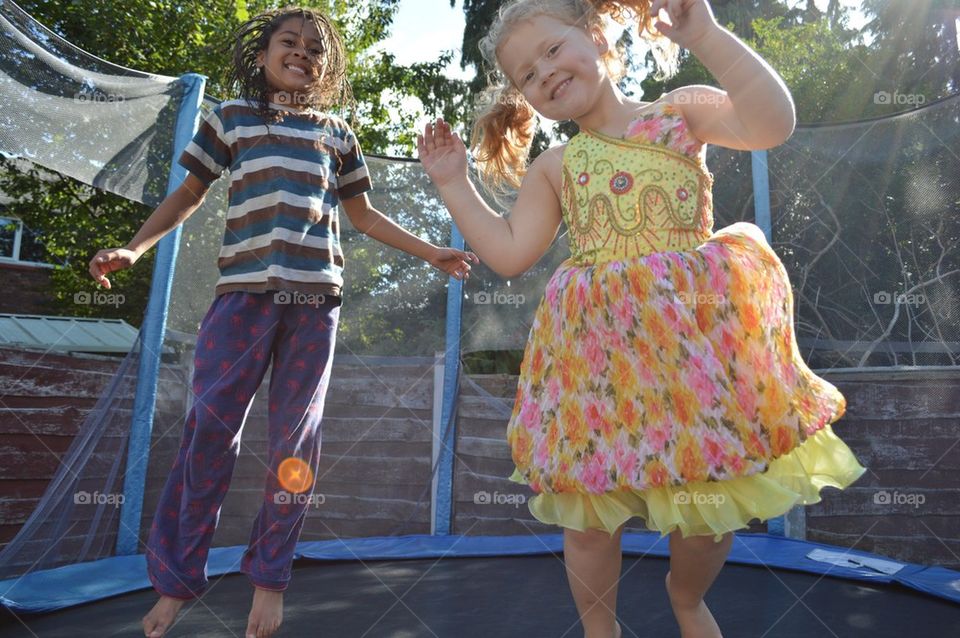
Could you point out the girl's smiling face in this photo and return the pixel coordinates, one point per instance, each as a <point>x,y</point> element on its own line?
<point>293,61</point>
<point>556,66</point>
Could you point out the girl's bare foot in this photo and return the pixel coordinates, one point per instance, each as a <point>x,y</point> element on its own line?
<point>694,617</point>
<point>161,617</point>
<point>266,614</point>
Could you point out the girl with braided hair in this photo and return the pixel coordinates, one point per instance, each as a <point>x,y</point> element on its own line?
<point>291,163</point>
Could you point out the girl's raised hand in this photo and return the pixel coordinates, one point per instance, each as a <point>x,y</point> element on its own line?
<point>442,153</point>
<point>690,20</point>
<point>108,260</point>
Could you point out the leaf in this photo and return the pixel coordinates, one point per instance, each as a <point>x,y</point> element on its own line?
<point>241,13</point>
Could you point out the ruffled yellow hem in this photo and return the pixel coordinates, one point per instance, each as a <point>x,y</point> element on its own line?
<point>706,508</point>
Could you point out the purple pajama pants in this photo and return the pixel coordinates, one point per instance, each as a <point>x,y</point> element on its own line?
<point>239,337</point>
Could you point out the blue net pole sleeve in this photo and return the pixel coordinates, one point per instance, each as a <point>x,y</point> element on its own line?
<point>761,207</point>
<point>761,193</point>
<point>151,334</point>
<point>451,368</point>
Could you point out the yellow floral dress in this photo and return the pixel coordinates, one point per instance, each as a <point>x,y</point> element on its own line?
<point>661,378</point>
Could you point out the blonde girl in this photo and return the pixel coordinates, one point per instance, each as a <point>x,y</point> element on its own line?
<point>661,378</point>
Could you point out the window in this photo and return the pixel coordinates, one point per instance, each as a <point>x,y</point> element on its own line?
<point>20,244</point>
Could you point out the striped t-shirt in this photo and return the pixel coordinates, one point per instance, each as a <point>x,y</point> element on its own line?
<point>286,179</point>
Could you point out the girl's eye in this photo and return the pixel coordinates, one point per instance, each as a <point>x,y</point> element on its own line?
<point>552,50</point>
<point>316,51</point>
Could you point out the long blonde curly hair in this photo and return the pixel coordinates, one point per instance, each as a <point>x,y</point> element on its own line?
<point>505,125</point>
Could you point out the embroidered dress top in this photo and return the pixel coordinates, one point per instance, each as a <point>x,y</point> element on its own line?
<point>618,202</point>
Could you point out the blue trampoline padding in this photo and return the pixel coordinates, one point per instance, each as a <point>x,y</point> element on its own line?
<point>53,589</point>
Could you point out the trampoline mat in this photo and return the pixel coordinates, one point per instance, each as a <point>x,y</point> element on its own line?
<point>506,597</point>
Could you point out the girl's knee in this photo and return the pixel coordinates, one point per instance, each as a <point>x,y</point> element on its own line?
<point>590,538</point>
<point>702,544</point>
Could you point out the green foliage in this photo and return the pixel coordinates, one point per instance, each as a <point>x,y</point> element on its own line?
<point>73,218</point>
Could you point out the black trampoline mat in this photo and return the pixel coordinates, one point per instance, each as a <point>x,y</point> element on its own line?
<point>507,597</point>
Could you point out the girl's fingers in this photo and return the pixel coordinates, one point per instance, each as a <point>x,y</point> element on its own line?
<point>428,136</point>
<point>676,10</point>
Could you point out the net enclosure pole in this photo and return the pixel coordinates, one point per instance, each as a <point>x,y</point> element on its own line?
<point>791,524</point>
<point>451,367</point>
<point>152,331</point>
<point>761,193</point>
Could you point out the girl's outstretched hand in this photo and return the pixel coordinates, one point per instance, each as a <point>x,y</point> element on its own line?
<point>455,263</point>
<point>108,260</point>
<point>442,153</point>
<point>690,20</point>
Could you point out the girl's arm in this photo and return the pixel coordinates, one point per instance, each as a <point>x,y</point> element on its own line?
<point>755,110</point>
<point>509,245</point>
<point>172,211</point>
<point>371,222</point>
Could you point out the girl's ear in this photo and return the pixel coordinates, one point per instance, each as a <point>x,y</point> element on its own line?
<point>600,39</point>
<point>260,54</point>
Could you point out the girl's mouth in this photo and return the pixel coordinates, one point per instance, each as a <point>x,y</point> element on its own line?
<point>296,69</point>
<point>560,89</point>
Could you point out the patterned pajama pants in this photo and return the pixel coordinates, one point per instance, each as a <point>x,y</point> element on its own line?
<point>240,336</point>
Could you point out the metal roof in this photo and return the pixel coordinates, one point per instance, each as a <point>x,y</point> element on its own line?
<point>66,334</point>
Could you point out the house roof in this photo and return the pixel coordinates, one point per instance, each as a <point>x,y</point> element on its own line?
<point>66,334</point>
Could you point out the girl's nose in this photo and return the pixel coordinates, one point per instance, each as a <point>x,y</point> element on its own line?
<point>547,76</point>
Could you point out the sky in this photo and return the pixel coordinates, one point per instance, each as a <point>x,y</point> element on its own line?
<point>424,28</point>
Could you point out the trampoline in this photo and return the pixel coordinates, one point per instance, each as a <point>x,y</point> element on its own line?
<point>516,596</point>
<point>523,596</point>
<point>436,542</point>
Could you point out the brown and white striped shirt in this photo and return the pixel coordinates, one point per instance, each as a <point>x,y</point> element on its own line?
<point>286,181</point>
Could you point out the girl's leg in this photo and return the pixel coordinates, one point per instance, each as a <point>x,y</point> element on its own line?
<point>593,559</point>
<point>232,355</point>
<point>303,357</point>
<point>695,562</point>
<point>233,351</point>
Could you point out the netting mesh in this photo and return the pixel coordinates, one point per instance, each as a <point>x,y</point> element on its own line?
<point>81,116</point>
<point>865,217</point>
<point>866,221</point>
